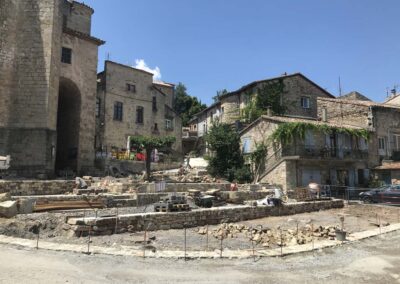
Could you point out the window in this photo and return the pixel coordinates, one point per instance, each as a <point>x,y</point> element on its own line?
<point>98,107</point>
<point>154,103</point>
<point>381,143</point>
<point>396,142</point>
<point>155,128</point>
<point>309,139</point>
<point>168,124</point>
<point>139,114</point>
<point>66,55</point>
<point>305,102</point>
<point>118,106</point>
<point>131,88</point>
<point>246,145</point>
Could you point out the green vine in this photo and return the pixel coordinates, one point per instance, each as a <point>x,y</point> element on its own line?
<point>268,95</point>
<point>286,132</point>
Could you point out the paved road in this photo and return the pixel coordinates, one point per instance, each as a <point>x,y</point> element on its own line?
<point>370,261</point>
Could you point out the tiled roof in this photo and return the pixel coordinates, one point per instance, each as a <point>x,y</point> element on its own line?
<point>359,103</point>
<point>252,84</point>
<point>83,36</point>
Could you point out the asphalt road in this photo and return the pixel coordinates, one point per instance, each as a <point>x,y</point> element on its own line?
<point>375,260</point>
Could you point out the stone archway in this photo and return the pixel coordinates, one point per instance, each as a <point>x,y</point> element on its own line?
<point>68,125</point>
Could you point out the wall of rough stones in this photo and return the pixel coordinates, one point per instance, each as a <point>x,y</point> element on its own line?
<point>36,187</point>
<point>212,216</point>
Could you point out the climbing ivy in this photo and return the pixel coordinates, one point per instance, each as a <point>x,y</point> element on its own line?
<point>286,132</point>
<point>268,95</point>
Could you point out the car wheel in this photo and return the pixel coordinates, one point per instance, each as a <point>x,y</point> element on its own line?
<point>367,199</point>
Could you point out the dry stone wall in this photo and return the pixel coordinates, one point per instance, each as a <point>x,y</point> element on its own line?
<point>36,187</point>
<point>166,221</point>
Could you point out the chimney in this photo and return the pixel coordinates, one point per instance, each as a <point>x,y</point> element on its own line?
<point>324,115</point>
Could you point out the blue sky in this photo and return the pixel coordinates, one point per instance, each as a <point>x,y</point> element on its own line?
<point>214,44</point>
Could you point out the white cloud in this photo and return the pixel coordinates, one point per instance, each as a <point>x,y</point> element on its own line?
<point>141,64</point>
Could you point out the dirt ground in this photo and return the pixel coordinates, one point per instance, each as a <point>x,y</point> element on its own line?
<point>375,260</point>
<point>356,218</point>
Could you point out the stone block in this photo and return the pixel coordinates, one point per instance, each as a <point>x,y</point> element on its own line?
<point>5,196</point>
<point>25,206</point>
<point>8,209</point>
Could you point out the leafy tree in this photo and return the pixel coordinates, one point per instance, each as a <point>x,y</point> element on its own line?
<point>149,143</point>
<point>185,105</point>
<point>226,158</point>
<point>219,94</point>
<point>257,158</point>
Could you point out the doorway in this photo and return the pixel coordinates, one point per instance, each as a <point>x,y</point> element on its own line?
<point>68,124</point>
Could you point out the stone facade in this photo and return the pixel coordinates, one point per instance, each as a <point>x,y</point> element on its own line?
<point>336,159</point>
<point>35,85</point>
<point>382,119</point>
<point>145,107</point>
<point>297,88</point>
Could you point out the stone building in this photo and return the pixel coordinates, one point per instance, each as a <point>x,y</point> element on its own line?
<point>382,118</point>
<point>130,103</point>
<point>48,62</point>
<point>335,158</point>
<point>299,95</point>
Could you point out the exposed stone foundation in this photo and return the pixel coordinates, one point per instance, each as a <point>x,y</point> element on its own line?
<point>212,216</point>
<point>36,187</point>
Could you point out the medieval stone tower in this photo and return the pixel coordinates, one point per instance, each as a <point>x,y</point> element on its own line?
<point>48,62</point>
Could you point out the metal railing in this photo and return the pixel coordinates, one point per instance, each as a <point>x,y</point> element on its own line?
<point>325,152</point>
<point>342,192</point>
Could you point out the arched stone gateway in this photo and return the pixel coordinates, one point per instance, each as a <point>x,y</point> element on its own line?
<point>68,125</point>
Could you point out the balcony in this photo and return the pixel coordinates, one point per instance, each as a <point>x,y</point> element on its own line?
<point>319,152</point>
<point>189,134</point>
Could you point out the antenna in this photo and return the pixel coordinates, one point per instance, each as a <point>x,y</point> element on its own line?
<point>340,88</point>
<point>108,56</point>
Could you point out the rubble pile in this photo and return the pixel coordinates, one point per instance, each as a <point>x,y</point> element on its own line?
<point>272,237</point>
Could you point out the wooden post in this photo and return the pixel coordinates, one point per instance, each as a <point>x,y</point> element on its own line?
<point>281,242</point>
<point>144,240</point>
<point>37,240</point>
<point>88,244</point>
<point>380,227</point>
<point>185,240</point>
<point>220,255</point>
<point>116,222</point>
<point>312,236</point>
<point>207,238</point>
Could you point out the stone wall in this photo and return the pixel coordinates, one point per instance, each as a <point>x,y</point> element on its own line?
<point>184,187</point>
<point>30,66</point>
<point>296,86</point>
<point>82,73</point>
<point>212,216</point>
<point>36,187</point>
<point>28,44</point>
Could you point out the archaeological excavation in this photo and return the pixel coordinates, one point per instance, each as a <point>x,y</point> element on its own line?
<point>190,219</point>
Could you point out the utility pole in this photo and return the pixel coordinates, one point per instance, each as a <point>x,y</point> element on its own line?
<point>340,88</point>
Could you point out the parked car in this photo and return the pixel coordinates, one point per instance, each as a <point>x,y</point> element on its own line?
<point>385,194</point>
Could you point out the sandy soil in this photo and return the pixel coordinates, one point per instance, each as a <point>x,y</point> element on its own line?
<point>375,260</point>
